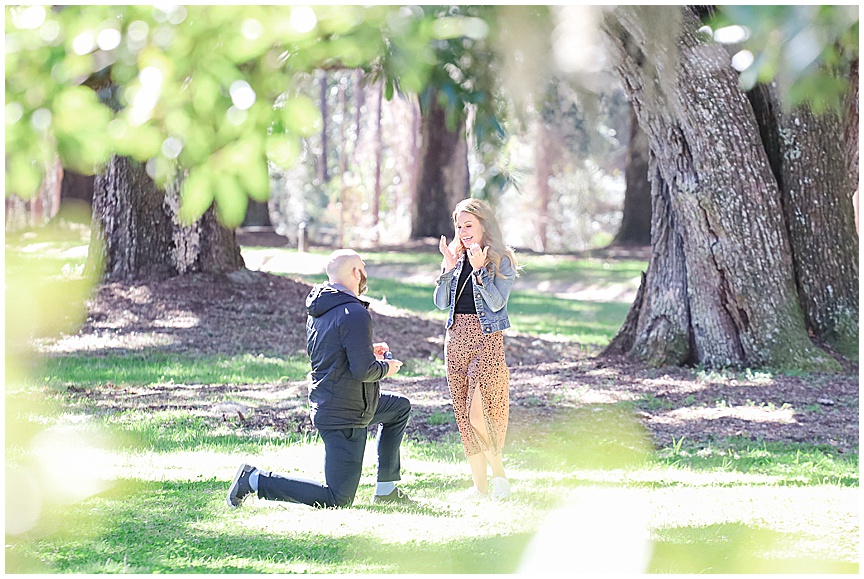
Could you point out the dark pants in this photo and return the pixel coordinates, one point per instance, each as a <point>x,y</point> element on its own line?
<point>343,460</point>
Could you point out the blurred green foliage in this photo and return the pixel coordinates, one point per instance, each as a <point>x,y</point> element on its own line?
<point>205,89</point>
<point>805,49</point>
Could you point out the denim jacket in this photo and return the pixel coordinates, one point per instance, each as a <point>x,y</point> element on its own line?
<point>490,297</point>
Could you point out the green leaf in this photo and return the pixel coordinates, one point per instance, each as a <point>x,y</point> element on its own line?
<point>301,116</point>
<point>23,176</point>
<point>196,194</point>
<point>282,150</point>
<point>256,180</point>
<point>231,202</point>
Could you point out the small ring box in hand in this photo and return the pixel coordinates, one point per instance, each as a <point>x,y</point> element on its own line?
<point>388,355</point>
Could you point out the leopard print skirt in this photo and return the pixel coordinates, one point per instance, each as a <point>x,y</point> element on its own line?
<point>475,364</point>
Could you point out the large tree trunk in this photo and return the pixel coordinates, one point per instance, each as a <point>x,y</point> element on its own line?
<point>810,165</point>
<point>415,152</point>
<point>343,159</point>
<point>636,221</point>
<point>136,233</point>
<point>851,134</point>
<point>443,174</point>
<point>658,328</point>
<point>735,264</point>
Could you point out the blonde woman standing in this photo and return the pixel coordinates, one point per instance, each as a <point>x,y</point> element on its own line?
<point>477,274</point>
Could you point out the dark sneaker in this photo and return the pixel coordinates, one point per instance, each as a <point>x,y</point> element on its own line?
<point>397,497</point>
<point>240,488</point>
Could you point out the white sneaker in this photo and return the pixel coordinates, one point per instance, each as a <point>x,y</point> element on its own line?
<point>500,488</point>
<point>471,495</point>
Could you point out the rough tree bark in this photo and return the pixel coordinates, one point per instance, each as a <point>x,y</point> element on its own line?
<point>810,165</point>
<point>415,151</point>
<point>658,329</point>
<point>636,222</point>
<point>851,134</point>
<point>736,274</point>
<point>136,233</point>
<point>443,174</point>
<point>343,159</point>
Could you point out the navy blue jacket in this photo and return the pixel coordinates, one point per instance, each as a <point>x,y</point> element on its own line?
<point>344,392</point>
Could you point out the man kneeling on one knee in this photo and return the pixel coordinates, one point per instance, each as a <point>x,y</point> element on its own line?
<point>344,397</point>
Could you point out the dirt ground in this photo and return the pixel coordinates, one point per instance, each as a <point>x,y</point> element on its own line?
<point>551,382</point>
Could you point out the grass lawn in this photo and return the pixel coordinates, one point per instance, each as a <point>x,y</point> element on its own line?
<point>532,310</point>
<point>151,498</point>
<point>95,488</point>
<point>730,510</point>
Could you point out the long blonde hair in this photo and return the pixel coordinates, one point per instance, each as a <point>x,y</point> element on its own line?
<point>491,234</point>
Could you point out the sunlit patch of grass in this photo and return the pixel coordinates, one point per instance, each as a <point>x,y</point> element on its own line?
<point>578,269</point>
<point>167,514</point>
<point>418,259</point>
<point>581,321</point>
<point>166,511</point>
<point>532,312</point>
<point>89,371</point>
<point>784,463</point>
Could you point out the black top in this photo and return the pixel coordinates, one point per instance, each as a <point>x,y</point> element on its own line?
<point>344,391</point>
<point>465,302</point>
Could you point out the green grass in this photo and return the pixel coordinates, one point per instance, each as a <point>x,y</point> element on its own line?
<point>531,312</point>
<point>730,506</point>
<point>534,268</point>
<point>723,506</point>
<point>90,371</point>
<point>786,463</point>
<point>590,323</point>
<point>575,269</point>
<point>170,431</point>
<point>167,515</point>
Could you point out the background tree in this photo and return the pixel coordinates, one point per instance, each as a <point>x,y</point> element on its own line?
<point>718,229</point>
<point>456,77</point>
<point>802,98</point>
<point>636,219</point>
<point>196,88</point>
<point>442,169</point>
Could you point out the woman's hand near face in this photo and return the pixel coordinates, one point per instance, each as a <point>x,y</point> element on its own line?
<point>449,256</point>
<point>477,256</point>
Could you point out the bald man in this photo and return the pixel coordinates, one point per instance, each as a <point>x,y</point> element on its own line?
<point>344,398</point>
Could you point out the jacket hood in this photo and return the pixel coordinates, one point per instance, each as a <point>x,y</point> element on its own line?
<point>324,298</point>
